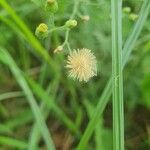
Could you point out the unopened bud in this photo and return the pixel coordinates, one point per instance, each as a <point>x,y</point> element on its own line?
<point>58,49</point>
<point>86,18</point>
<point>42,31</point>
<point>133,17</point>
<point>71,23</point>
<point>51,6</point>
<point>126,9</point>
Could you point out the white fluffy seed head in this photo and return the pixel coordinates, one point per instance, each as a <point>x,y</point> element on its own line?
<point>82,64</point>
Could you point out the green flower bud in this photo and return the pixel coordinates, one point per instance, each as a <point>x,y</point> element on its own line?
<point>71,23</point>
<point>126,9</point>
<point>133,17</point>
<point>42,31</point>
<point>51,6</point>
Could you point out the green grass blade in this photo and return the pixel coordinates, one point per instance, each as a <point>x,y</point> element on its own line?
<point>128,47</point>
<point>12,25</point>
<point>34,138</point>
<point>7,59</point>
<point>35,134</point>
<point>13,142</point>
<point>99,127</point>
<point>117,75</point>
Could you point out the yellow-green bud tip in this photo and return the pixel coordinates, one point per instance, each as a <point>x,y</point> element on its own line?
<point>71,23</point>
<point>133,17</point>
<point>58,49</point>
<point>85,18</point>
<point>126,9</point>
<point>42,31</point>
<point>51,6</point>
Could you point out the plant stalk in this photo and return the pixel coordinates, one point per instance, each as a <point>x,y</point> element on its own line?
<point>117,75</point>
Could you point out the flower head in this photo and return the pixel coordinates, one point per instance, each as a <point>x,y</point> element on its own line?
<point>42,31</point>
<point>82,64</point>
<point>51,6</point>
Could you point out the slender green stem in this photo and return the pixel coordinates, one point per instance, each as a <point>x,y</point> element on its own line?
<point>52,21</point>
<point>117,75</point>
<point>44,66</point>
<point>66,36</point>
<point>57,28</point>
<point>74,12</point>
<point>75,8</point>
<point>104,99</point>
<point>66,40</point>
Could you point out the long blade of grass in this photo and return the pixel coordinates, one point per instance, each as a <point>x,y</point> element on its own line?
<point>7,59</point>
<point>128,47</point>
<point>99,127</point>
<point>35,134</point>
<point>117,75</point>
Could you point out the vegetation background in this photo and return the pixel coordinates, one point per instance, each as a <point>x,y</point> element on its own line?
<point>30,85</point>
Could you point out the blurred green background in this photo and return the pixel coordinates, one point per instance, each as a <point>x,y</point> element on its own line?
<point>77,100</point>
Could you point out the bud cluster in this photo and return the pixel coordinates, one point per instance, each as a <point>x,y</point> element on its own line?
<point>132,16</point>
<point>71,23</point>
